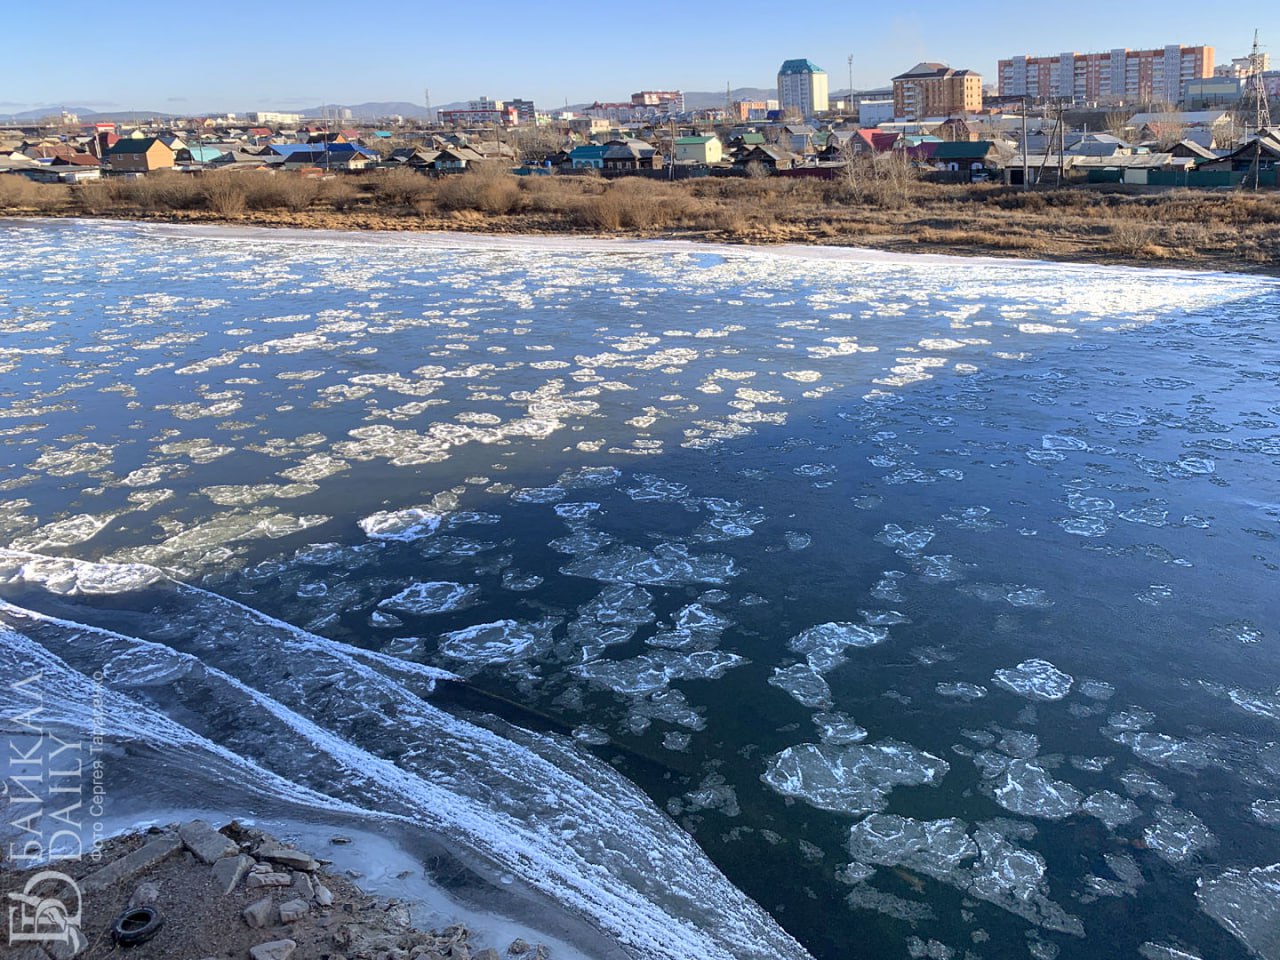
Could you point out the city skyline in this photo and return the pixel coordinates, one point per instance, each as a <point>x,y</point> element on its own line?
<point>257,58</point>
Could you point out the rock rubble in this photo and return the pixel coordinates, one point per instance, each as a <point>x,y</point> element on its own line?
<point>235,891</point>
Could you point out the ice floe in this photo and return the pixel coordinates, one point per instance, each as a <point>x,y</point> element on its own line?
<point>1247,904</point>
<point>1035,680</point>
<point>435,596</point>
<point>853,778</point>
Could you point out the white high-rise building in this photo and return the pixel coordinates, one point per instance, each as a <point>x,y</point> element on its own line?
<point>802,87</point>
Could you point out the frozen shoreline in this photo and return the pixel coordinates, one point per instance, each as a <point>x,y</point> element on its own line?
<point>625,245</point>
<point>387,863</point>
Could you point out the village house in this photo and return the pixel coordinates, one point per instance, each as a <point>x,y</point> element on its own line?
<point>456,159</point>
<point>705,150</point>
<point>139,155</point>
<point>631,155</point>
<point>770,158</point>
<point>966,161</point>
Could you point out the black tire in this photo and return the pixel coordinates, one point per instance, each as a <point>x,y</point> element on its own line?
<point>136,925</point>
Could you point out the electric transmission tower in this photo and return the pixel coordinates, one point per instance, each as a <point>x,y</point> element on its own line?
<point>1255,89</point>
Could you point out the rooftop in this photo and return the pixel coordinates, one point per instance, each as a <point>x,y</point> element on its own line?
<point>799,66</point>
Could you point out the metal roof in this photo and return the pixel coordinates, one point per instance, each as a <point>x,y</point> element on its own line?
<point>799,66</point>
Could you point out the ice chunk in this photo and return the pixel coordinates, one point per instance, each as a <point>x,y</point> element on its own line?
<point>824,645</point>
<point>668,564</point>
<point>866,897</point>
<point>836,728</point>
<point>1139,783</point>
<point>714,793</point>
<point>1035,680</point>
<point>1266,812</point>
<point>961,690</point>
<point>1012,877</point>
<point>653,671</point>
<point>1111,808</point>
<point>852,779</point>
<point>919,949</point>
<point>1247,904</point>
<point>1149,950</point>
<point>503,641</point>
<point>696,627</point>
<point>436,596</point>
<point>411,524</point>
<point>1163,750</point>
<point>804,683</point>
<point>63,533</point>
<point>1026,788</point>
<point>904,543</point>
<point>1177,835</point>
<point>935,848</point>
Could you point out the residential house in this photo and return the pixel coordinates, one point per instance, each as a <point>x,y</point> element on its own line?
<point>495,150</point>
<point>1260,154</point>
<point>631,155</point>
<point>139,155</point>
<point>771,158</point>
<point>841,145</point>
<point>955,129</point>
<point>1172,125</point>
<point>589,156</point>
<point>415,158</point>
<point>704,150</point>
<point>76,168</point>
<point>880,141</point>
<point>965,160</point>
<point>1099,145</point>
<point>798,138</point>
<point>456,159</point>
<point>1190,149</point>
<point>251,158</point>
<point>197,155</point>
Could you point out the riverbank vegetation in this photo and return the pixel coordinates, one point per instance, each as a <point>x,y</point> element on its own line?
<point>877,205</point>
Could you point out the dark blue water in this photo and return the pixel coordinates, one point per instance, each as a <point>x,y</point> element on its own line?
<point>616,489</point>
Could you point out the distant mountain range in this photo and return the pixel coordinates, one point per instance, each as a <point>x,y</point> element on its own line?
<point>694,100</point>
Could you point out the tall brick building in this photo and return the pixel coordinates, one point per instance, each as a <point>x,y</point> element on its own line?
<point>935,90</point>
<point>1144,76</point>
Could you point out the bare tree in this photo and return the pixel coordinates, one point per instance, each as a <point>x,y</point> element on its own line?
<point>1117,123</point>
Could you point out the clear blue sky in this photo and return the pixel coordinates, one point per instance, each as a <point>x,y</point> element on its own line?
<point>249,54</point>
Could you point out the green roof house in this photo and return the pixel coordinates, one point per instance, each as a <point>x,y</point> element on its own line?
<point>704,150</point>
<point>139,156</point>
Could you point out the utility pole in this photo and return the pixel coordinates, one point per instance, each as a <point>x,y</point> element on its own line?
<point>849,104</point>
<point>1026,184</point>
<point>1062,142</point>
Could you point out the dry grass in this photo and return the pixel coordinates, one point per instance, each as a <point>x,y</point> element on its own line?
<point>487,188</point>
<point>224,193</point>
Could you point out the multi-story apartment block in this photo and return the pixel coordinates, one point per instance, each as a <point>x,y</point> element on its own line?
<point>659,101</point>
<point>1144,76</point>
<point>481,113</point>
<point>936,90</point>
<point>1240,67</point>
<point>525,111</point>
<point>802,88</point>
<point>267,118</point>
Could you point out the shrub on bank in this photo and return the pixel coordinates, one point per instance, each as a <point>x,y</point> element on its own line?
<point>402,188</point>
<point>485,188</point>
<point>224,192</point>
